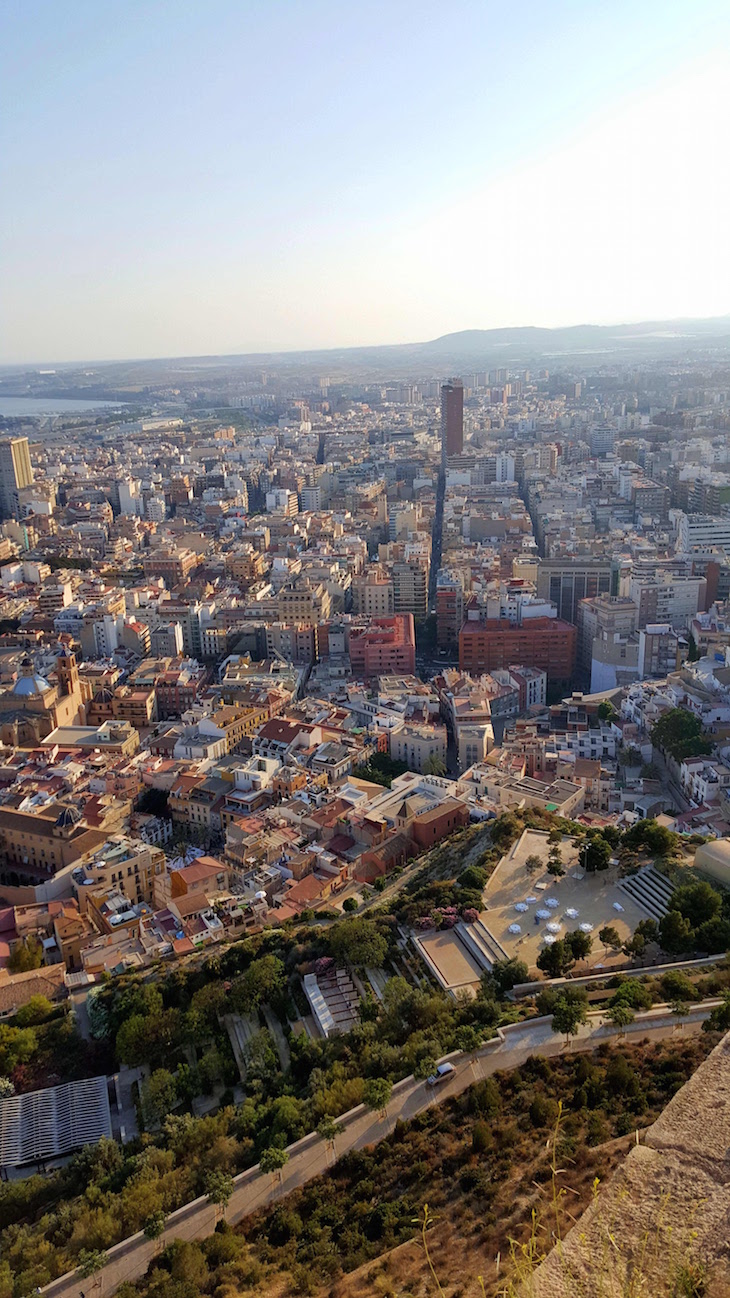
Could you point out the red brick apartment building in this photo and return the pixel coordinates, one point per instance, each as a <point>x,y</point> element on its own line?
<point>387,647</point>
<point>544,642</point>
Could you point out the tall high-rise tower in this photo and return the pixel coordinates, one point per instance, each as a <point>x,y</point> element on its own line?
<point>452,418</point>
<point>15,472</point>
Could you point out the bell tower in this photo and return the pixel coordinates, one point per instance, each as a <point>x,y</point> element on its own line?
<point>67,671</point>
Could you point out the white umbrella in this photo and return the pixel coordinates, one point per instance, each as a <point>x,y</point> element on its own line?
<point>521,906</point>
<point>553,928</point>
<point>514,928</point>
<point>586,928</point>
<point>543,914</point>
<point>530,900</point>
<point>617,905</point>
<point>549,938</point>
<point>572,913</point>
<point>552,901</point>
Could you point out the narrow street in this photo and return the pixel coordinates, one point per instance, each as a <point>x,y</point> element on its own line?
<point>681,802</point>
<point>436,540</point>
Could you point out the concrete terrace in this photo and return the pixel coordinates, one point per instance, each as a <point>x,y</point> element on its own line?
<point>592,895</point>
<point>451,962</point>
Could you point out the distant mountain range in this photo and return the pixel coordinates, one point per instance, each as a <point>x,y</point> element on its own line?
<point>574,337</point>
<point>465,351</point>
<point>478,347</point>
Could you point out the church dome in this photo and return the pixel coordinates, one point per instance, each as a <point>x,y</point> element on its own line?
<point>68,816</point>
<point>103,695</point>
<point>29,685</point>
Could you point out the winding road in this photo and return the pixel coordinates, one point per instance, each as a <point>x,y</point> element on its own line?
<point>312,1156</point>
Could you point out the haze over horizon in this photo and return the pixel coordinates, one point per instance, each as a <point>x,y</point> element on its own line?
<point>250,178</point>
<point>416,345</point>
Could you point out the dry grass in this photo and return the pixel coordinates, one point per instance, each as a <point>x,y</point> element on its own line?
<point>485,1206</point>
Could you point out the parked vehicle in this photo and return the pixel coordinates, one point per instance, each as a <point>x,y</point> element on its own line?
<point>442,1074</point>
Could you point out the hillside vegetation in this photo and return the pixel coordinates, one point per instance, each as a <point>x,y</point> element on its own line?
<point>482,1163</point>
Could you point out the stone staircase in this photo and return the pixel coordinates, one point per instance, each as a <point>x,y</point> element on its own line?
<point>650,890</point>
<point>481,944</point>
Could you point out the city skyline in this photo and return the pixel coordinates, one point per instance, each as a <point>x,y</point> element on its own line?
<point>334,688</point>
<point>174,195</point>
<point>364,647</point>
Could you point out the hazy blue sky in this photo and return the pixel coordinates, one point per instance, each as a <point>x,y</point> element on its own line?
<point>224,175</point>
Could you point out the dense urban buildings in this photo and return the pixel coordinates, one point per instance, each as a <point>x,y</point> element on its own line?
<point>272,637</point>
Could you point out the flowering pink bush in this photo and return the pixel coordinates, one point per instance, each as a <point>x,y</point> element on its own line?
<point>424,922</point>
<point>470,914</point>
<point>324,965</point>
<point>445,916</point>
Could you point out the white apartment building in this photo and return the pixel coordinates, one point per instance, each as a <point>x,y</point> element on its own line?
<point>130,501</point>
<point>417,745</point>
<point>597,743</point>
<point>410,588</point>
<point>659,651</point>
<point>702,780</point>
<point>698,532</point>
<point>282,501</point>
<point>310,499</point>
<point>667,598</point>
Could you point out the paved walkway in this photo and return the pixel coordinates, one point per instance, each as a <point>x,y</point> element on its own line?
<point>311,1156</point>
<point>124,1112</point>
<point>78,1001</point>
<point>277,1033</point>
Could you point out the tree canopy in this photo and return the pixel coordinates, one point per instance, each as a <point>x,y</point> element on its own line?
<point>597,853</point>
<point>620,1015</point>
<point>359,942</point>
<point>697,901</point>
<point>556,960</point>
<point>679,733</point>
<point>610,938</point>
<point>377,1093</point>
<point>571,1009</point>
<point>262,982</point>
<point>219,1187</point>
<point>506,974</point>
<point>579,944</point>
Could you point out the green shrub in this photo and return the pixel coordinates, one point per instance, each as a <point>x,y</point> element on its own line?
<point>543,1111</point>
<point>481,1138</point>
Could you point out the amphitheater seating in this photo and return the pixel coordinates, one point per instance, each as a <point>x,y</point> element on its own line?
<point>650,890</point>
<point>481,944</point>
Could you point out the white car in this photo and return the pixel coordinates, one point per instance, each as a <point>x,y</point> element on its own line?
<point>442,1074</point>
